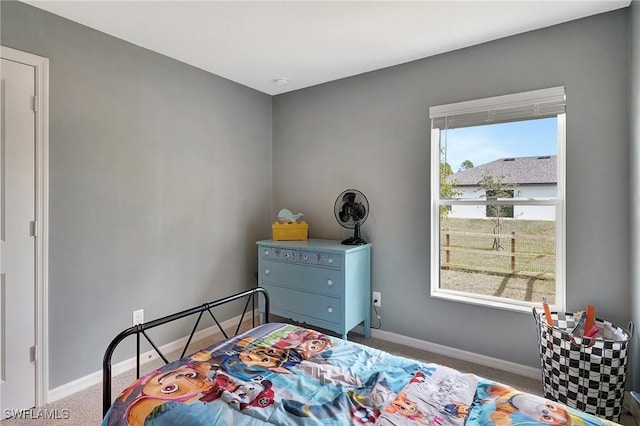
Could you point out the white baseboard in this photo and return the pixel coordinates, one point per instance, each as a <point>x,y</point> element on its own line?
<point>89,380</point>
<point>511,367</point>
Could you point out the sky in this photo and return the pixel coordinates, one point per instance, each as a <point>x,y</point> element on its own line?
<point>482,144</point>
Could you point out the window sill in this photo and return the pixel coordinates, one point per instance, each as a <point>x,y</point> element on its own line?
<point>488,301</point>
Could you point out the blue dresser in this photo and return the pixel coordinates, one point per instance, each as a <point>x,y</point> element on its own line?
<point>318,282</point>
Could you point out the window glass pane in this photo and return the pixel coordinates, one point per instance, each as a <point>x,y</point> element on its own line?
<point>500,256</point>
<point>518,158</point>
<point>499,210</point>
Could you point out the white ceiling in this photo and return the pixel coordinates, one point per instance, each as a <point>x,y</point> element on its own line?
<point>311,42</point>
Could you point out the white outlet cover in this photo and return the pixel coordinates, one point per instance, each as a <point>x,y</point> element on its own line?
<point>138,317</point>
<point>377,296</point>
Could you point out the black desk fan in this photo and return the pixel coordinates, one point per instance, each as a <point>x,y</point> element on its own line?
<point>351,210</point>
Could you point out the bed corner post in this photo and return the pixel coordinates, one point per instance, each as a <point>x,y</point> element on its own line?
<point>106,368</point>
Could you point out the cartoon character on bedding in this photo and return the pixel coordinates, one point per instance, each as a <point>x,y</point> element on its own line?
<point>318,360</point>
<point>221,383</point>
<point>252,394</point>
<point>435,395</point>
<point>271,359</point>
<point>295,349</point>
<point>259,361</point>
<point>457,409</point>
<point>504,406</point>
<point>407,408</point>
<point>241,395</point>
<point>198,381</point>
<point>183,384</point>
<point>308,343</point>
<point>248,359</point>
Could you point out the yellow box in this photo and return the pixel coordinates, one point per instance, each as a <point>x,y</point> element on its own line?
<point>290,231</point>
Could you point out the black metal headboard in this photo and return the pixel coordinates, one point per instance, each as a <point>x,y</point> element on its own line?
<point>250,295</point>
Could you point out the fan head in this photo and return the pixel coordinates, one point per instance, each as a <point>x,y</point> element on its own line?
<point>351,210</point>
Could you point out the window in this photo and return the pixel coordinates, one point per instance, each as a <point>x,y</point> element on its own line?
<point>497,196</point>
<point>497,210</point>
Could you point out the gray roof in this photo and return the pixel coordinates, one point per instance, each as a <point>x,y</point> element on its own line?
<point>516,170</point>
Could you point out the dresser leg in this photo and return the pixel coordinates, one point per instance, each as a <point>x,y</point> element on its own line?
<point>367,328</point>
<point>344,336</point>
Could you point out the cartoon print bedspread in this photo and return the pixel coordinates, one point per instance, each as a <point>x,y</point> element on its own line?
<point>286,375</point>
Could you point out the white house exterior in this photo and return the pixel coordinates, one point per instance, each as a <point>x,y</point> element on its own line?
<point>530,177</point>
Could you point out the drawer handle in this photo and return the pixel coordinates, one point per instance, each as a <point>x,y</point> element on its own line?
<point>330,260</point>
<point>329,309</point>
<point>266,252</point>
<point>266,272</point>
<point>329,282</point>
<point>305,257</point>
<point>286,255</point>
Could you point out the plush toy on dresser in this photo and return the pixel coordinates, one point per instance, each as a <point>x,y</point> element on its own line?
<point>285,216</point>
<point>288,228</point>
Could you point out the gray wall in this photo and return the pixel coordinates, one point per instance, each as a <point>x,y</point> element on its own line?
<point>371,132</point>
<point>161,177</point>
<point>634,158</point>
<point>160,184</point>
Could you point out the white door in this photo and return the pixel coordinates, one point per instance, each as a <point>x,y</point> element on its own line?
<point>17,229</point>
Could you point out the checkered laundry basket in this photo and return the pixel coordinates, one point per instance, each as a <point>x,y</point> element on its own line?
<point>584,373</point>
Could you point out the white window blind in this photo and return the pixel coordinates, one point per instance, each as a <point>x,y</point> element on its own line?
<point>499,109</point>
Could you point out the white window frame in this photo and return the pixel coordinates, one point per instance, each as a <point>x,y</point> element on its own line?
<point>482,111</point>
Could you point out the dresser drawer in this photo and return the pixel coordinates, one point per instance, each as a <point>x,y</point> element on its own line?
<point>318,258</point>
<point>322,307</point>
<point>278,253</point>
<point>300,277</point>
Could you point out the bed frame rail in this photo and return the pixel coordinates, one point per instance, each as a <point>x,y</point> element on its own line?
<point>140,330</point>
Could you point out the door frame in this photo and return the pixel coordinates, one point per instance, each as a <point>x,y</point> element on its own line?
<point>41,65</point>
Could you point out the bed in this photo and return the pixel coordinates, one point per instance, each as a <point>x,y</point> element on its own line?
<point>283,374</point>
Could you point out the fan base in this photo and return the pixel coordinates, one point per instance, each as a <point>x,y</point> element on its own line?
<point>353,241</point>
